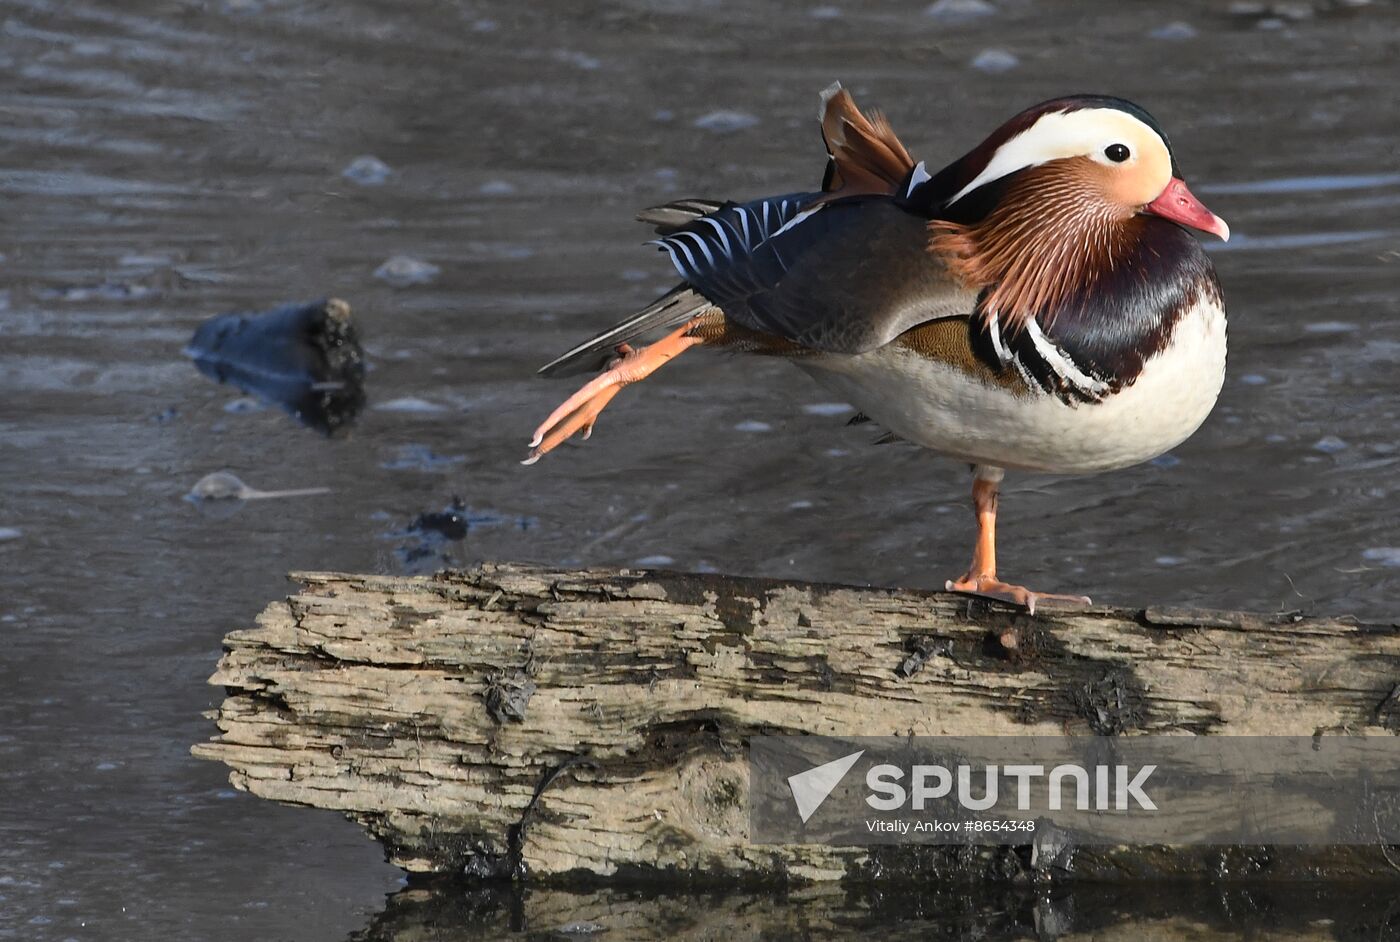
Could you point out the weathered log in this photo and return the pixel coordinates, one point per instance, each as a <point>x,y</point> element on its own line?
<point>515,719</point>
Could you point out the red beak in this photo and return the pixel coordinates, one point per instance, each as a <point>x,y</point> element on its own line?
<point>1177,204</point>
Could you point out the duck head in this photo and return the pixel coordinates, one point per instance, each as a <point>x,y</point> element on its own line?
<point>1055,197</point>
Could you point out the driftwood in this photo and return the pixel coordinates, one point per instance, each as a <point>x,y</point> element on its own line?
<point>517,720</point>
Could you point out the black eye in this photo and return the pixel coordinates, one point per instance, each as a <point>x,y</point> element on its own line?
<point>1116,153</point>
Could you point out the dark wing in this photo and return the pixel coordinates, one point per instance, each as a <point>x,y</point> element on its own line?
<point>694,230</point>
<point>840,276</point>
<point>841,270</point>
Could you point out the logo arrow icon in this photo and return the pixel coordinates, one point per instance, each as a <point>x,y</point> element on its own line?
<point>811,788</point>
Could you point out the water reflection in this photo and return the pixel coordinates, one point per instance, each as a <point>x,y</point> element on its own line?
<point>1171,913</point>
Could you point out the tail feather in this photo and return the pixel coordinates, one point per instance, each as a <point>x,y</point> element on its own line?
<point>675,215</point>
<point>667,312</point>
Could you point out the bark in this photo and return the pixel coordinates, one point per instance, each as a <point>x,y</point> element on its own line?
<point>517,720</point>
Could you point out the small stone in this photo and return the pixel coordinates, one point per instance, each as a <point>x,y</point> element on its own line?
<point>1270,23</point>
<point>367,170</point>
<point>401,271</point>
<point>725,122</point>
<point>243,406</point>
<point>1330,327</point>
<point>752,426</point>
<point>995,61</point>
<point>10,533</point>
<point>825,13</point>
<point>1385,555</point>
<point>1246,8</point>
<point>1165,461</point>
<point>959,11</point>
<point>1174,31</point>
<point>658,560</point>
<point>1169,560</point>
<point>1296,12</point>
<point>1330,445</point>
<point>409,404</point>
<point>826,408</point>
<point>1254,379</point>
<point>496,188</point>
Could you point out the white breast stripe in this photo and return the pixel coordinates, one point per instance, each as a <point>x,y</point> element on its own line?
<point>1062,364</point>
<point>994,328</point>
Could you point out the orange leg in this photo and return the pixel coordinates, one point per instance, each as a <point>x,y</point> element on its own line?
<point>580,411</point>
<point>981,577</point>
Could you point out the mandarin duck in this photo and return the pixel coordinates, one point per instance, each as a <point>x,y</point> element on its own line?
<point>1038,304</point>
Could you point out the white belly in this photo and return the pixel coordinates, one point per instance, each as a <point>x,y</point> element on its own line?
<point>944,409</point>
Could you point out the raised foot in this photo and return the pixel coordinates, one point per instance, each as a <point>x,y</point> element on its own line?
<point>580,411</point>
<point>991,588</point>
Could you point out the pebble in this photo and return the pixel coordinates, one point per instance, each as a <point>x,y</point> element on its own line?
<point>1329,327</point>
<point>496,188</point>
<point>1254,379</point>
<point>995,61</point>
<point>410,404</point>
<point>826,408</point>
<point>401,271</point>
<point>1165,461</point>
<point>959,11</point>
<point>752,426</point>
<point>1170,560</point>
<point>1293,11</point>
<point>825,13</point>
<point>1174,31</point>
<point>1330,445</point>
<point>724,122</point>
<point>243,406</point>
<point>655,561</point>
<point>1385,555</point>
<point>10,533</point>
<point>367,170</point>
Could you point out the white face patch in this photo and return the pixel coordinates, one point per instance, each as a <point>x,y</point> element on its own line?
<point>1087,132</point>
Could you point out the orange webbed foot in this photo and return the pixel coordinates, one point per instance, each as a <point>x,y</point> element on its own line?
<point>579,413</point>
<point>990,587</point>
